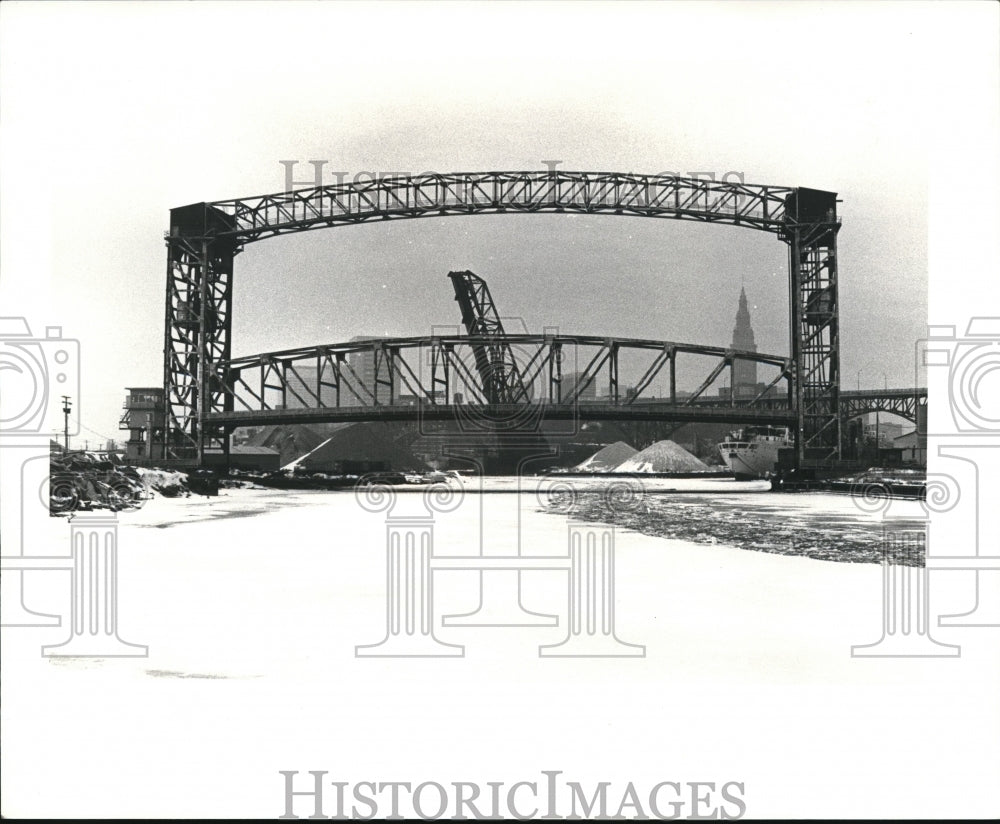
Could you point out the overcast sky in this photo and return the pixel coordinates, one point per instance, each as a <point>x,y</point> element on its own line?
<point>112,114</point>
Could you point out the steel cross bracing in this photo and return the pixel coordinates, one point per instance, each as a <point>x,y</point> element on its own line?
<point>319,384</point>
<point>759,207</point>
<point>811,226</point>
<point>204,238</point>
<point>197,329</point>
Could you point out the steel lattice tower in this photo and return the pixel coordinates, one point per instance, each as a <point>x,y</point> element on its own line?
<point>811,226</point>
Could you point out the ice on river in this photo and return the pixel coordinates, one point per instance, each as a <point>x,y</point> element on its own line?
<point>252,605</point>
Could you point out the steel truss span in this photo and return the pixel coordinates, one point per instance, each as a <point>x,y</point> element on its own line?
<point>204,239</point>
<point>560,375</point>
<point>462,193</point>
<point>901,402</point>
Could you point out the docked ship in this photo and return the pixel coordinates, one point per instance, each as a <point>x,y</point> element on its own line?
<point>752,452</point>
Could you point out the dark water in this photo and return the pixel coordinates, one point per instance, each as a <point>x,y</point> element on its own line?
<point>750,522</point>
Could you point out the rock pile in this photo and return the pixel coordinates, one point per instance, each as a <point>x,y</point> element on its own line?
<point>84,481</point>
<point>168,484</point>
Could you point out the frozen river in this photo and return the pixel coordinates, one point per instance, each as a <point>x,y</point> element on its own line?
<point>254,605</point>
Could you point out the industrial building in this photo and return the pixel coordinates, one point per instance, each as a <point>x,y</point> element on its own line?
<point>144,418</point>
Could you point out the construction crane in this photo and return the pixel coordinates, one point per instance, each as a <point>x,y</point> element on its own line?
<point>502,381</point>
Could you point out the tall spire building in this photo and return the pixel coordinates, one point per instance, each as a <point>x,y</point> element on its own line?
<point>744,372</point>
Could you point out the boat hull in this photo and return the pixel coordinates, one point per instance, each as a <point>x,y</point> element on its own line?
<point>753,457</point>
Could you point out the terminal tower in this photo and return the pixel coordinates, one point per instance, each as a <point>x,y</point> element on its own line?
<point>744,372</point>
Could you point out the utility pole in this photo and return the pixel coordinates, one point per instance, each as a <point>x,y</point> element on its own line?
<point>67,405</point>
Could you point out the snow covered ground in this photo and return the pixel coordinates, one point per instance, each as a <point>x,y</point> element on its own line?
<point>252,605</point>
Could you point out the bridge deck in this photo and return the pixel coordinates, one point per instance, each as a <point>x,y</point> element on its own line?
<point>510,412</point>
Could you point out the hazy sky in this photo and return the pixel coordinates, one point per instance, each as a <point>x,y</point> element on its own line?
<point>112,114</point>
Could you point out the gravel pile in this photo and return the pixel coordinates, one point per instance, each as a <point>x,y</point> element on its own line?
<point>607,459</point>
<point>663,456</point>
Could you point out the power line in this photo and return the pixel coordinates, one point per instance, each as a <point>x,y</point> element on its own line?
<point>95,432</point>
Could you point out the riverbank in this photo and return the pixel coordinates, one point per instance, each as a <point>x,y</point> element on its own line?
<point>877,482</point>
